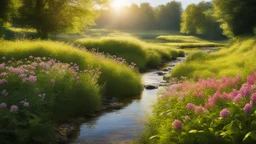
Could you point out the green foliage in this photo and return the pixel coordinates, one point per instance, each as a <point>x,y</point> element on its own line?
<point>57,16</point>
<point>199,19</point>
<point>236,16</point>
<point>237,58</point>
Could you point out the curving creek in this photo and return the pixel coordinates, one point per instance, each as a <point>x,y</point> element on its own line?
<point>127,123</point>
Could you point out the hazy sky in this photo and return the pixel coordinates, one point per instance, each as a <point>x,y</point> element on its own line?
<point>158,2</point>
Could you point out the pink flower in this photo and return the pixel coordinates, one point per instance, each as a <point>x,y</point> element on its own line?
<point>200,109</point>
<point>250,80</point>
<point>253,98</point>
<point>32,79</point>
<point>14,108</point>
<point>247,108</point>
<point>3,105</point>
<point>224,113</point>
<point>1,66</point>
<point>237,98</point>
<point>187,118</point>
<point>3,81</point>
<point>177,124</point>
<point>3,74</point>
<point>26,104</point>
<point>190,106</point>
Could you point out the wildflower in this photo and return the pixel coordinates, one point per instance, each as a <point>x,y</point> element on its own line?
<point>3,105</point>
<point>3,74</point>
<point>2,67</point>
<point>3,58</point>
<point>237,98</point>
<point>14,108</point>
<point>3,81</point>
<point>253,98</point>
<point>190,106</point>
<point>247,108</point>
<point>187,118</point>
<point>224,113</point>
<point>177,124</point>
<point>250,80</point>
<point>26,104</point>
<point>32,79</point>
<point>200,109</point>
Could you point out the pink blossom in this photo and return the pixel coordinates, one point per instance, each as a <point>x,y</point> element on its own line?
<point>14,108</point>
<point>190,106</point>
<point>3,105</point>
<point>237,98</point>
<point>3,81</point>
<point>2,67</point>
<point>3,74</point>
<point>26,104</point>
<point>224,113</point>
<point>32,79</point>
<point>200,109</point>
<point>187,118</point>
<point>247,108</point>
<point>250,80</point>
<point>253,98</point>
<point>177,124</point>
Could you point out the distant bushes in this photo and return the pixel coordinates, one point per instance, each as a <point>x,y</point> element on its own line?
<point>132,50</point>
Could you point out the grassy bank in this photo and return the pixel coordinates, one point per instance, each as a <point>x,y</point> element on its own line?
<point>237,58</point>
<point>218,108</point>
<point>114,73</point>
<point>132,50</point>
<point>42,82</point>
<point>182,41</point>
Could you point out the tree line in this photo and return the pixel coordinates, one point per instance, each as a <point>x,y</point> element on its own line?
<point>208,19</point>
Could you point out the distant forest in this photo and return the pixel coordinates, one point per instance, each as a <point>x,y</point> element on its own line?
<point>195,19</point>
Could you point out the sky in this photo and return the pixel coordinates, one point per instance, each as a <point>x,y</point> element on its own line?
<point>154,2</point>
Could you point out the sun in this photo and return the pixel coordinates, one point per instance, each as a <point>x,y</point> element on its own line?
<point>118,5</point>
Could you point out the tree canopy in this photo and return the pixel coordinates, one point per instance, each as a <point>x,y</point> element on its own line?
<point>237,17</point>
<point>199,19</point>
<point>57,16</point>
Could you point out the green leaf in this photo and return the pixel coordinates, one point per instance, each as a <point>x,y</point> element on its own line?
<point>252,134</point>
<point>246,136</point>
<point>193,131</point>
<point>154,137</point>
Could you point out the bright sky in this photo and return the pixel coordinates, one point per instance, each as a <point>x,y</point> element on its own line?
<point>121,3</point>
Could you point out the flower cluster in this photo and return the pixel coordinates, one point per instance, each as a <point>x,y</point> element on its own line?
<point>35,72</point>
<point>208,95</point>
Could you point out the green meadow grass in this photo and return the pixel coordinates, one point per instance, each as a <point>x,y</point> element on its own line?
<point>133,50</point>
<point>237,58</point>
<point>117,79</point>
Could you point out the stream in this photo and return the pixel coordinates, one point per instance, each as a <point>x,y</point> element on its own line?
<point>127,123</point>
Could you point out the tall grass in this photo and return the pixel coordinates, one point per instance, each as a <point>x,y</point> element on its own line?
<point>118,79</point>
<point>237,58</point>
<point>132,49</point>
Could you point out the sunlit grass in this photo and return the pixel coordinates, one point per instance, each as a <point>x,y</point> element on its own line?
<point>133,50</point>
<point>238,58</point>
<point>118,79</point>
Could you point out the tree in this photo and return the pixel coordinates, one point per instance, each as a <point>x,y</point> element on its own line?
<point>199,20</point>
<point>237,17</point>
<point>57,16</point>
<point>169,16</point>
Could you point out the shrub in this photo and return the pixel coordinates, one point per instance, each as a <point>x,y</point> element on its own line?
<point>206,111</point>
<point>35,91</point>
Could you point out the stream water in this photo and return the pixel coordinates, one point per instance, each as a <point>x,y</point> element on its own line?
<point>126,124</point>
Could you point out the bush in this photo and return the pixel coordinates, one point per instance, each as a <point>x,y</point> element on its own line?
<point>37,90</point>
<point>206,111</point>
